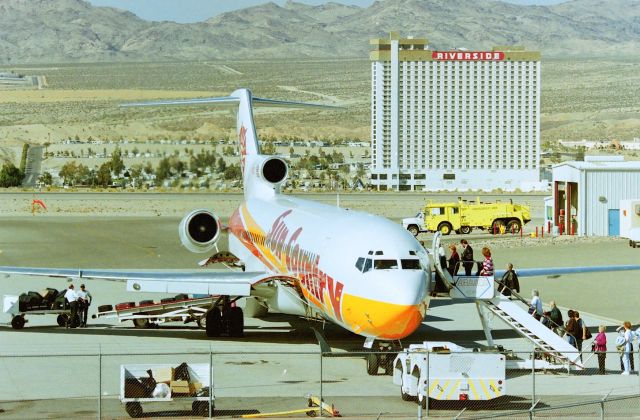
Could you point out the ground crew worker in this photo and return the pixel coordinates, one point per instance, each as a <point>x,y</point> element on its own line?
<point>83,304</point>
<point>72,297</point>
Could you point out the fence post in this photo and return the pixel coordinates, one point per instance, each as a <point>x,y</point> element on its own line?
<point>602,404</point>
<point>533,379</point>
<point>426,389</point>
<point>321,380</point>
<point>99,382</point>
<point>209,414</point>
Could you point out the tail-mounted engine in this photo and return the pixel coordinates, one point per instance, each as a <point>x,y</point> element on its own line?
<point>199,231</point>
<point>273,170</point>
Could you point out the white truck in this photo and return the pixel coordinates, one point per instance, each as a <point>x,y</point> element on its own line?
<point>630,221</point>
<point>450,373</point>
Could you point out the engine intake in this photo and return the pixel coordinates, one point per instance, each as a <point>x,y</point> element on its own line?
<point>199,231</point>
<point>274,170</point>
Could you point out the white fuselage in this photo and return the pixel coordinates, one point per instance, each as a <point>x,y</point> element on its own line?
<point>358,270</point>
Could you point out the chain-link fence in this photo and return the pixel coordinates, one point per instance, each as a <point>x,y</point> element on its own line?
<point>101,383</point>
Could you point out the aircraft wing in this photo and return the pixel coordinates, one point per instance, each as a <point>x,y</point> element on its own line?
<point>558,271</point>
<point>210,282</point>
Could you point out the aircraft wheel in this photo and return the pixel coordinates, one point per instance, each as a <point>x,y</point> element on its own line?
<point>140,322</point>
<point>236,322</point>
<point>465,230</point>
<point>133,409</point>
<point>413,229</point>
<point>17,322</point>
<point>213,323</point>
<point>62,320</point>
<point>373,361</point>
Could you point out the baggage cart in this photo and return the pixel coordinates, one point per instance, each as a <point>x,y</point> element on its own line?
<point>10,306</point>
<point>195,390</point>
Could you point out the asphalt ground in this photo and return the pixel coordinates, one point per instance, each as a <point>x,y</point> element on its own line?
<point>253,373</point>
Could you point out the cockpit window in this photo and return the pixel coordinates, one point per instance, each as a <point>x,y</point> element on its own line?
<point>410,264</point>
<point>363,264</point>
<point>385,264</point>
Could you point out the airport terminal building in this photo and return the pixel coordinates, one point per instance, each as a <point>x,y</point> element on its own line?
<point>454,120</point>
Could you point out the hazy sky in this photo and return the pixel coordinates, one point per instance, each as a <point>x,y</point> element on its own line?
<point>198,10</point>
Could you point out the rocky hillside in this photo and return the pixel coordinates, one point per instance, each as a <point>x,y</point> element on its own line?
<point>74,30</point>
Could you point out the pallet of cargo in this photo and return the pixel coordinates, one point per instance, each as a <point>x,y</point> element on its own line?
<point>148,312</point>
<point>11,306</point>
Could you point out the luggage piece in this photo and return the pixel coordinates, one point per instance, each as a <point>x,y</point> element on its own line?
<point>168,300</point>
<point>146,303</point>
<point>24,302</point>
<point>35,300</point>
<point>60,302</point>
<point>49,295</point>
<point>105,308</point>
<point>181,373</point>
<point>181,296</point>
<point>125,305</point>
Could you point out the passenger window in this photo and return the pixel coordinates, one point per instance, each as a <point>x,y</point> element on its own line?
<point>360,263</point>
<point>410,264</point>
<point>367,265</point>
<point>385,264</point>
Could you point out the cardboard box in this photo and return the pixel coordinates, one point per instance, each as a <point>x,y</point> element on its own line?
<point>179,387</point>
<point>194,387</point>
<point>163,375</point>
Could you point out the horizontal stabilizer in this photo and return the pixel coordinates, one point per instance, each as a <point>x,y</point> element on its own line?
<point>230,102</point>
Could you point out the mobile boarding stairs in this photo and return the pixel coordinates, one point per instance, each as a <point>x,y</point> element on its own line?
<point>558,353</point>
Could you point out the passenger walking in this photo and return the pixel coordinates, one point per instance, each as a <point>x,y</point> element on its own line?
<point>467,257</point>
<point>570,329</point>
<point>556,317</point>
<point>454,261</point>
<point>487,264</point>
<point>581,332</point>
<point>600,347</point>
<point>626,355</point>
<point>72,297</point>
<point>536,305</point>
<point>84,301</point>
<point>509,282</point>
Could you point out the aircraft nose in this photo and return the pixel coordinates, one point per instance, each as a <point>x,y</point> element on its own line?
<point>393,317</point>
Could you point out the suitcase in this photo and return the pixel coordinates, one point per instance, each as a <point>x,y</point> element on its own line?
<point>181,296</point>
<point>105,308</point>
<point>168,300</point>
<point>60,302</point>
<point>146,303</point>
<point>24,302</point>
<point>35,300</point>
<point>125,305</point>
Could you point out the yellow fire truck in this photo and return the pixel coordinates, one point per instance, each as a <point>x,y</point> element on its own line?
<point>463,217</point>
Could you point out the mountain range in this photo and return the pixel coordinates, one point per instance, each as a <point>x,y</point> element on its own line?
<point>39,31</point>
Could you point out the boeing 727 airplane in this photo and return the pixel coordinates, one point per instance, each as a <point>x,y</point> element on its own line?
<point>299,257</point>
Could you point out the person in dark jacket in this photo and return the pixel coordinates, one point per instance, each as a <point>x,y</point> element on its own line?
<point>467,257</point>
<point>556,317</point>
<point>509,282</point>
<point>454,260</point>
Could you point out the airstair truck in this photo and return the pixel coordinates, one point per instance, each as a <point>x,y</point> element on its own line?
<point>444,371</point>
<point>463,217</point>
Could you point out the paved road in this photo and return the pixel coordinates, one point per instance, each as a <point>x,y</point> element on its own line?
<point>33,167</point>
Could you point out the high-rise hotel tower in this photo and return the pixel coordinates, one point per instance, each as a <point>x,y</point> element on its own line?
<point>453,120</point>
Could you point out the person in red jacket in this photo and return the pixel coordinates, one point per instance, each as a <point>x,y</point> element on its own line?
<point>600,347</point>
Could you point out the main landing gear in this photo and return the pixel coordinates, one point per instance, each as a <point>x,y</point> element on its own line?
<point>224,319</point>
<point>382,357</point>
